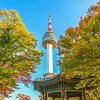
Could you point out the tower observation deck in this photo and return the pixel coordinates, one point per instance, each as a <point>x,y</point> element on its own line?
<point>49,42</point>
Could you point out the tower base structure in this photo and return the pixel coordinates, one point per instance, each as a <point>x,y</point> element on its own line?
<point>57,87</point>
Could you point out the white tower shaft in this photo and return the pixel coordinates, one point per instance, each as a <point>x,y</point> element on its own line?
<point>49,59</point>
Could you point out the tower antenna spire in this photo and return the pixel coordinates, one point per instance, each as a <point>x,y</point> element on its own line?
<point>49,41</point>
<point>49,23</point>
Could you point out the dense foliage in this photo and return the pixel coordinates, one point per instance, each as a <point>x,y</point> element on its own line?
<point>18,54</point>
<point>79,51</point>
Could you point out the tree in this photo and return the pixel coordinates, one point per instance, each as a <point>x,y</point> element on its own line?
<point>18,54</point>
<point>79,51</point>
<point>23,97</point>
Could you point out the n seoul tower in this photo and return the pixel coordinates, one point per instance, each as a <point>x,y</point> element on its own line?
<point>49,42</point>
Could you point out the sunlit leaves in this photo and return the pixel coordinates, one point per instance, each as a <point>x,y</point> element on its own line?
<point>79,50</point>
<point>18,54</point>
<point>5,91</point>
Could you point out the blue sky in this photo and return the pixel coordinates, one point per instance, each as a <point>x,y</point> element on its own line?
<point>34,14</point>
